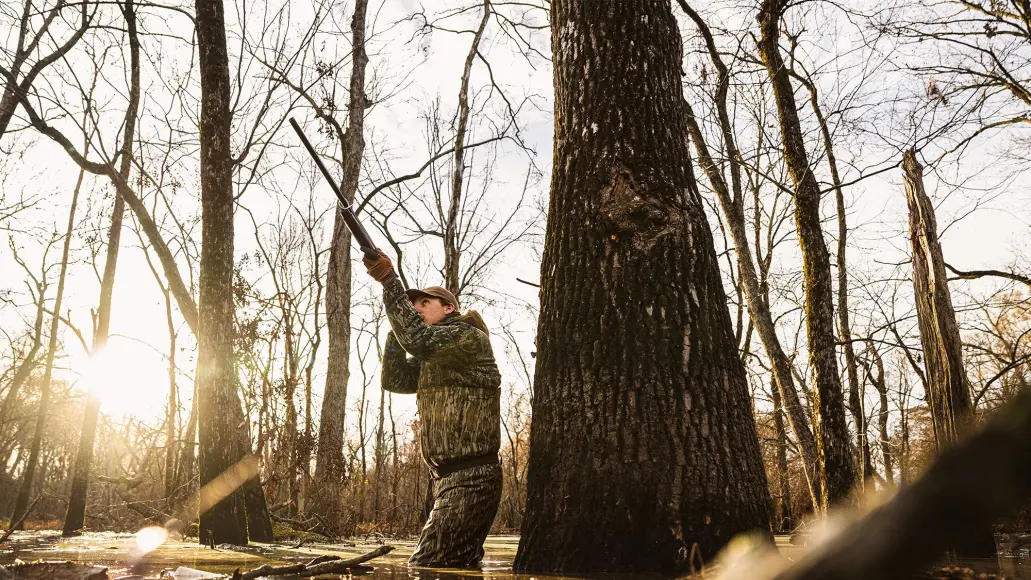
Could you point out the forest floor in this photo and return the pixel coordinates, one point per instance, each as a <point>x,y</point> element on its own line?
<point>185,559</point>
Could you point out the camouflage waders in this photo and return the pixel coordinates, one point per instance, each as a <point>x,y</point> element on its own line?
<point>452,371</point>
<point>464,505</point>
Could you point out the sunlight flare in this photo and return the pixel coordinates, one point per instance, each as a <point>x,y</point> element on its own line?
<point>129,378</point>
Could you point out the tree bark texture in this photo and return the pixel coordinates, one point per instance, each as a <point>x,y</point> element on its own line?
<point>643,443</point>
<point>22,502</point>
<point>829,418</point>
<point>948,393</point>
<point>75,516</point>
<point>218,402</point>
<point>329,460</point>
<point>980,479</point>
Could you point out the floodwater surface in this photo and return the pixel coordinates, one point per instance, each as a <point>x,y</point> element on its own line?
<point>141,556</point>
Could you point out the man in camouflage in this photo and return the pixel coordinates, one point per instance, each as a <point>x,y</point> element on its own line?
<point>458,393</point>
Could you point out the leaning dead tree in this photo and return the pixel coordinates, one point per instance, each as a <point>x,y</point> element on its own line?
<point>646,445</point>
<point>948,392</point>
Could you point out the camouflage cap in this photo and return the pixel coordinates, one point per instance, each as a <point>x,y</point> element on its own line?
<point>433,292</point>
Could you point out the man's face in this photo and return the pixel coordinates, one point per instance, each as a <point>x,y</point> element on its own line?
<point>432,310</point>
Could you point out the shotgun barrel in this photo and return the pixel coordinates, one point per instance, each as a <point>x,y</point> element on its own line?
<point>357,230</point>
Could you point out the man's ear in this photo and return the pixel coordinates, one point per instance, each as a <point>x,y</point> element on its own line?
<point>449,308</point>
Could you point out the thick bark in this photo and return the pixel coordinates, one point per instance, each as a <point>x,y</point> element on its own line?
<point>219,446</point>
<point>259,522</point>
<point>980,479</point>
<point>948,395</point>
<point>829,419</point>
<point>22,502</point>
<point>452,253</point>
<point>329,460</point>
<point>644,444</point>
<point>75,516</point>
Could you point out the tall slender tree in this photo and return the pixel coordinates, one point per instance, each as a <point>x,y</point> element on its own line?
<point>829,414</point>
<point>643,443</point>
<point>329,461</point>
<point>75,517</point>
<point>223,522</point>
<point>731,200</point>
<point>22,502</point>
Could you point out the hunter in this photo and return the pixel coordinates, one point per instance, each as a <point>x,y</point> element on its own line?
<point>445,358</point>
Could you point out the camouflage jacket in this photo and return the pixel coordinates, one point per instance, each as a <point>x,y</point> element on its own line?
<point>453,374</point>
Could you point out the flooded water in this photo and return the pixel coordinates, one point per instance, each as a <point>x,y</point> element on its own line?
<point>138,556</point>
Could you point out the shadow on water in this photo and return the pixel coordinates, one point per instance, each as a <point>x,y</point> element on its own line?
<point>122,555</point>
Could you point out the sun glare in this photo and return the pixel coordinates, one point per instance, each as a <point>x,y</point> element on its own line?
<point>128,377</point>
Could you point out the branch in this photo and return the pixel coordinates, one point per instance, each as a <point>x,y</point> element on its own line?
<point>397,180</point>
<point>310,569</point>
<point>975,274</point>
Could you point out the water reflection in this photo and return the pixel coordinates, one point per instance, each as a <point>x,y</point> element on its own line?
<point>116,551</point>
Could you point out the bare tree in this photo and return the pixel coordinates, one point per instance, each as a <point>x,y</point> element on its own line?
<point>75,517</point>
<point>22,503</point>
<point>829,420</point>
<point>220,449</point>
<point>624,209</point>
<point>731,199</point>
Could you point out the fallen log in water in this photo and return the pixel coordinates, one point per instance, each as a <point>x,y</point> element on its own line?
<point>313,568</point>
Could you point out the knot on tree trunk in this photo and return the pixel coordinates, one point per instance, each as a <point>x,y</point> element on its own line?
<point>633,214</point>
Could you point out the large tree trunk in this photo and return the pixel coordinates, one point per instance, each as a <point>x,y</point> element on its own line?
<point>75,517</point>
<point>329,460</point>
<point>731,202</point>
<point>948,392</point>
<point>829,419</point>
<point>259,522</point>
<point>22,502</point>
<point>642,437</point>
<point>219,448</point>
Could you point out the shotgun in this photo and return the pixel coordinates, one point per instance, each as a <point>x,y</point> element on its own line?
<point>357,230</point>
